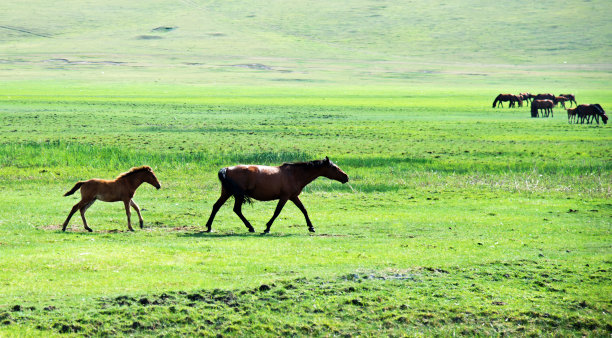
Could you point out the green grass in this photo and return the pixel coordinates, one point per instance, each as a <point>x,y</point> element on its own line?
<point>459,218</point>
<point>483,195</point>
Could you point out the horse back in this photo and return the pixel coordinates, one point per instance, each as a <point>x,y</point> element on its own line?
<point>258,181</point>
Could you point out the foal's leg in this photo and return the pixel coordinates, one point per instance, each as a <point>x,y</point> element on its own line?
<point>279,207</point>
<point>238,210</point>
<point>224,196</point>
<point>76,207</point>
<point>83,209</point>
<point>135,206</point>
<point>298,203</point>
<point>129,214</point>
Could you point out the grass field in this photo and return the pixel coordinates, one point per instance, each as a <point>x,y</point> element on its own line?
<point>459,218</point>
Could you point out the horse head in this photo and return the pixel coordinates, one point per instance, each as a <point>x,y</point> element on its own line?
<point>604,118</point>
<point>150,177</point>
<point>333,172</point>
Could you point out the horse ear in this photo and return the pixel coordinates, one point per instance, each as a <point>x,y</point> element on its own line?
<point>326,159</point>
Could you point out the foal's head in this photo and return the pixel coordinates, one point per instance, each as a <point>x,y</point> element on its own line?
<point>150,177</point>
<point>333,172</point>
<point>144,173</point>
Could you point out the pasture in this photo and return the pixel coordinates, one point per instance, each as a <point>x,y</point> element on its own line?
<point>458,218</point>
<point>457,222</point>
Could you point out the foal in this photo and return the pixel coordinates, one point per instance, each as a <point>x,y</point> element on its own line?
<point>266,183</point>
<point>120,189</point>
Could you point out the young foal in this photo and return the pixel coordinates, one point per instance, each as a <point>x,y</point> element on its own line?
<point>266,183</point>
<point>120,189</point>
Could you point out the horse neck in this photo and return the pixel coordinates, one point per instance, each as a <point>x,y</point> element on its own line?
<point>307,175</point>
<point>133,181</point>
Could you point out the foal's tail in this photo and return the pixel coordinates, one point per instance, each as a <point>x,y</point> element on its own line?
<point>75,188</point>
<point>232,187</point>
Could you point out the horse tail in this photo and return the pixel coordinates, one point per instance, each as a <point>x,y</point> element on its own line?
<point>75,188</point>
<point>232,187</point>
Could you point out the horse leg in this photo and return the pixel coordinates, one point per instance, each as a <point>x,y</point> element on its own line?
<point>83,209</point>
<point>135,206</point>
<point>129,214</point>
<point>298,203</point>
<point>76,207</point>
<point>279,207</point>
<point>238,210</point>
<point>224,196</point>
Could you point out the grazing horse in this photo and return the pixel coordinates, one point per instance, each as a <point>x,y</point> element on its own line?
<point>121,188</point>
<point>527,97</point>
<point>570,98</point>
<point>546,105</point>
<point>265,183</point>
<point>560,99</point>
<point>545,97</point>
<point>505,97</point>
<point>590,112</point>
<point>572,115</point>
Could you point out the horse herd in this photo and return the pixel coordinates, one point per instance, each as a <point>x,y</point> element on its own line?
<point>545,103</point>
<point>243,182</point>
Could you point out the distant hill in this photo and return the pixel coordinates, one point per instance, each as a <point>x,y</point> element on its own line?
<point>300,40</point>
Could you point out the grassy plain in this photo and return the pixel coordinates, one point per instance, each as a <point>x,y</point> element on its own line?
<point>459,218</point>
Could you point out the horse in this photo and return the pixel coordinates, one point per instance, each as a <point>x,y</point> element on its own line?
<point>572,115</point>
<point>121,188</point>
<point>560,99</point>
<point>571,98</point>
<point>546,105</point>
<point>590,112</point>
<point>527,97</point>
<point>505,97</point>
<point>545,97</point>
<point>265,183</point>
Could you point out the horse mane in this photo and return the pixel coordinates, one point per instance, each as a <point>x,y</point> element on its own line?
<point>134,170</point>
<point>309,164</point>
<point>598,107</point>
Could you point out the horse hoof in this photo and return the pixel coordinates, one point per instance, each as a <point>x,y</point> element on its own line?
<point>251,230</point>
<point>311,229</point>
<point>265,232</point>
<point>208,230</point>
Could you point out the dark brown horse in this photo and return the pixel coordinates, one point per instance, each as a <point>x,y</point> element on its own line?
<point>120,189</point>
<point>572,115</point>
<point>590,113</point>
<point>560,99</point>
<point>546,105</point>
<point>570,98</point>
<point>506,97</point>
<point>527,97</point>
<point>264,183</point>
<point>545,97</point>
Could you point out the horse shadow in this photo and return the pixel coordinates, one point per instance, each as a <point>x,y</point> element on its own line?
<point>204,234</point>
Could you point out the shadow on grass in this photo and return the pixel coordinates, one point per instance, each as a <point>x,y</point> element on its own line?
<point>203,234</point>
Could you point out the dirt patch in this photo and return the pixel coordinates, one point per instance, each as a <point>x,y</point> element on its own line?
<point>148,37</point>
<point>256,66</point>
<point>70,62</point>
<point>163,29</point>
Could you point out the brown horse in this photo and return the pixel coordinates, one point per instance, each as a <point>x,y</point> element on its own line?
<point>572,116</point>
<point>546,105</point>
<point>527,97</point>
<point>506,97</point>
<point>590,113</point>
<point>570,98</point>
<point>560,99</point>
<point>545,97</point>
<point>120,189</point>
<point>283,183</point>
